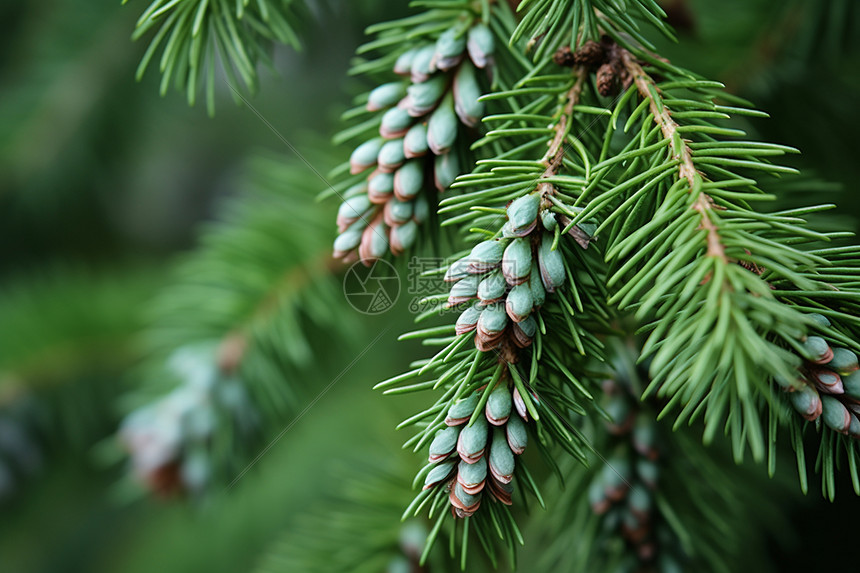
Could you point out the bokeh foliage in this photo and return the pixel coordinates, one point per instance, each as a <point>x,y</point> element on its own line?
<point>104,184</point>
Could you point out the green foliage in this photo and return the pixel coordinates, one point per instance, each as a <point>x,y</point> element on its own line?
<point>664,186</point>
<point>230,333</point>
<point>356,529</point>
<point>657,224</point>
<point>554,23</point>
<point>194,34</point>
<point>87,322</point>
<point>414,135</point>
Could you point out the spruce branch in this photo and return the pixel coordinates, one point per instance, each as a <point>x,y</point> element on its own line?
<point>537,303</point>
<point>416,140</point>
<point>681,153</point>
<point>197,33</point>
<point>355,528</point>
<point>89,322</point>
<point>230,336</point>
<point>652,506</point>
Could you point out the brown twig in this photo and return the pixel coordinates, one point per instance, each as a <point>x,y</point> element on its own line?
<point>680,151</point>
<point>234,345</point>
<point>555,154</point>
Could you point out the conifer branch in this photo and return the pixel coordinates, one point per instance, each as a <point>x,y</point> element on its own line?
<point>555,153</point>
<point>196,33</point>
<point>230,335</point>
<point>686,169</point>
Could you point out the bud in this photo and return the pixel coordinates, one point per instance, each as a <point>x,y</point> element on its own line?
<point>442,127</point>
<point>403,237</point>
<point>519,405</point>
<point>408,180</point>
<point>607,80</point>
<point>457,270</point>
<point>473,441</point>
<point>438,474</point>
<point>443,443</point>
<point>501,458</point>
<point>536,284</point>
<point>374,242</point>
<point>446,168</point>
<point>351,210</point>
<point>395,123</point>
<point>415,141</point>
<point>403,65</point>
<point>422,64</point>
<point>461,410</point>
<point>806,402</point>
<point>491,326</point>
<point>522,214</point>
<point>465,504</point>
<point>463,290</point>
<point>390,155</point>
<point>844,361</point>
<point>480,45</point>
<point>517,261</point>
<point>492,288</point>
<point>851,385</point>
<point>551,264</point>
<point>827,381</point>
<point>498,408</point>
<point>519,302</point>
<point>396,212</point>
<point>817,350</point>
<point>590,54</point>
<point>516,434</point>
<point>422,98</point>
<point>486,256</point>
<point>449,48</point>
<point>854,426</point>
<point>835,415</point>
<point>472,476</point>
<point>549,221</point>
<point>524,332</point>
<point>468,320</point>
<point>385,95</point>
<point>365,155</point>
<point>348,240</point>
<point>380,186</point>
<point>819,319</point>
<point>421,210</point>
<point>466,94</point>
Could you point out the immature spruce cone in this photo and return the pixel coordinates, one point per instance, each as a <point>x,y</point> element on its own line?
<point>564,57</point>
<point>421,122</point>
<point>481,457</point>
<point>622,492</point>
<point>828,384</point>
<point>168,440</point>
<point>607,80</point>
<point>591,54</point>
<point>510,277</point>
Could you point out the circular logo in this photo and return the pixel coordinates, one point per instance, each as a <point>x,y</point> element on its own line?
<point>371,287</point>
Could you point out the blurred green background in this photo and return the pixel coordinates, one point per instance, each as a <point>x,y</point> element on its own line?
<point>103,184</point>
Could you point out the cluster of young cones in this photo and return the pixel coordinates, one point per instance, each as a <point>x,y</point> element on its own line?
<point>622,491</point>
<point>475,453</point>
<point>169,439</point>
<point>828,384</point>
<point>503,280</point>
<point>420,124</point>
